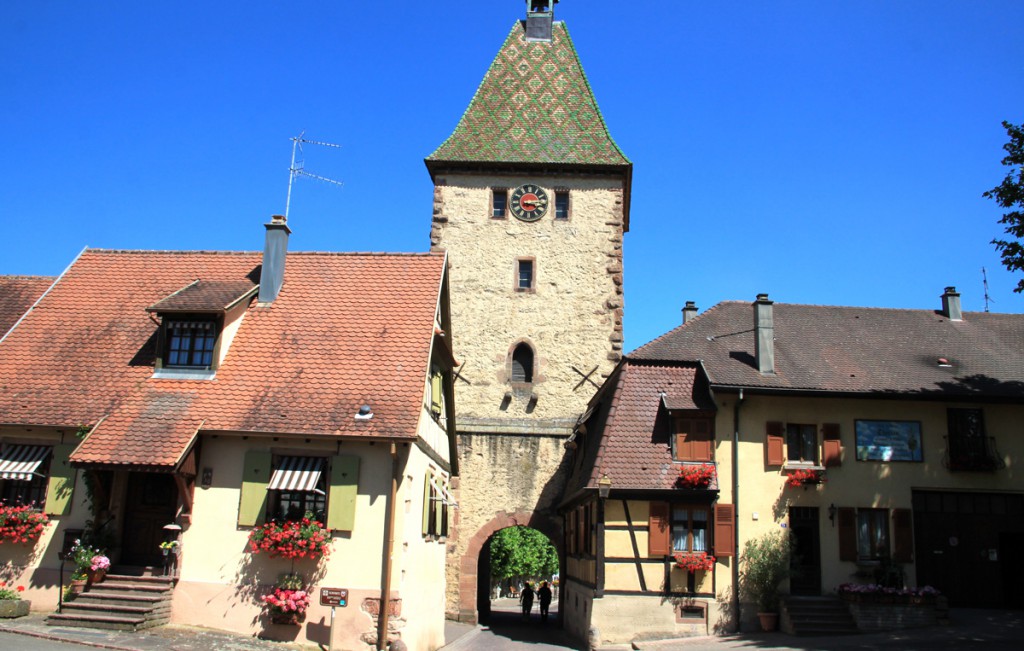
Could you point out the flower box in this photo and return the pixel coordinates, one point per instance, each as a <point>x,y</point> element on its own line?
<point>694,561</point>
<point>21,524</point>
<point>805,477</point>
<point>696,476</point>
<point>10,608</point>
<point>305,538</point>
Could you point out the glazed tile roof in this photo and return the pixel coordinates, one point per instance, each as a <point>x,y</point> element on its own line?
<point>534,105</point>
<point>628,436</point>
<point>855,350</point>
<point>17,294</point>
<point>346,330</point>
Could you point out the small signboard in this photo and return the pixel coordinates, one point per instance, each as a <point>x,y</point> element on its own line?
<point>333,597</point>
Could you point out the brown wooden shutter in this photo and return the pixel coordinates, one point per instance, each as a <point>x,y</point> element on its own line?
<point>774,455</point>
<point>847,534</point>
<point>659,542</point>
<point>725,530</point>
<point>702,447</point>
<point>682,449</point>
<point>832,446</point>
<point>903,536</point>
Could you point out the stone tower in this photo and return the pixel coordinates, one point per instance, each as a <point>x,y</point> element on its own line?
<point>531,200</point>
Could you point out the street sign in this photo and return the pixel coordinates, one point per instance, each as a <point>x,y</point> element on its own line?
<point>333,597</point>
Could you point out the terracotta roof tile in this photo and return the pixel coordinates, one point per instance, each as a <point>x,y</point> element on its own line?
<point>17,294</point>
<point>346,330</point>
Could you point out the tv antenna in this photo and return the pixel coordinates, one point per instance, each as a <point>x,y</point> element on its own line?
<point>298,169</point>
<point>984,282</point>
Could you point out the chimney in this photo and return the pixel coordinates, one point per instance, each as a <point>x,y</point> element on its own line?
<point>689,312</point>
<point>274,252</point>
<point>540,15</point>
<point>951,304</point>
<point>764,330</point>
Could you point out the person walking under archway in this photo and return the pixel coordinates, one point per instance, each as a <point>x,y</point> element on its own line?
<point>526,599</point>
<point>544,596</point>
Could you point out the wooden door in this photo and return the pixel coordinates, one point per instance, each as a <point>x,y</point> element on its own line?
<point>805,562</point>
<point>150,504</point>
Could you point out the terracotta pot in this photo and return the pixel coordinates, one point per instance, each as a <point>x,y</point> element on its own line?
<point>93,577</point>
<point>10,608</point>
<point>769,621</point>
<point>75,588</point>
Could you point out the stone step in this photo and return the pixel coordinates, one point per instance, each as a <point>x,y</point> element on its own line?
<point>147,612</point>
<point>117,599</point>
<point>106,622</point>
<point>131,586</point>
<point>141,580</point>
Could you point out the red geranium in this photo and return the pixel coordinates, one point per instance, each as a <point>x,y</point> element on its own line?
<point>21,524</point>
<point>693,561</point>
<point>305,538</point>
<point>696,476</point>
<point>805,476</point>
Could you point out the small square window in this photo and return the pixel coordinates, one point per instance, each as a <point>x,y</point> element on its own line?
<point>801,443</point>
<point>561,204</point>
<point>499,203</point>
<point>689,529</point>
<point>190,343</point>
<point>524,275</point>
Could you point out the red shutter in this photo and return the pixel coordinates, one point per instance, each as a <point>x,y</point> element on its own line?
<point>725,530</point>
<point>773,443</point>
<point>682,449</point>
<point>658,539</point>
<point>847,534</point>
<point>903,536</point>
<point>702,448</point>
<point>832,446</point>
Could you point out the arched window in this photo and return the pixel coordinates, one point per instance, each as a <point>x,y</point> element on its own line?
<point>522,364</point>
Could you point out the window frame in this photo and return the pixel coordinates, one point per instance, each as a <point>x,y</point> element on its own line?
<point>562,193</point>
<point>687,524</point>
<point>493,211</point>
<point>869,523</point>
<point>275,497</point>
<point>168,321</point>
<point>802,430</point>
<point>39,483</point>
<point>521,263</point>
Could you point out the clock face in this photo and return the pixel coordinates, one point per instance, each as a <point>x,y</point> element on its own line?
<point>529,202</point>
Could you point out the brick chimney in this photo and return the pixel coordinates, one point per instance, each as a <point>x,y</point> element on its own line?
<point>689,312</point>
<point>951,304</point>
<point>274,253</point>
<point>764,335</point>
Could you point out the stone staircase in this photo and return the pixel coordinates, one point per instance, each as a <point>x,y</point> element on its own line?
<point>121,602</point>
<point>816,616</point>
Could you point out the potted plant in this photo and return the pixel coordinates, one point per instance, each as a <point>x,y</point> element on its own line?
<point>98,567</point>
<point>765,565</point>
<point>695,475</point>
<point>693,561</point>
<point>305,538</point>
<point>805,477</point>
<point>21,524</point>
<point>289,600</point>
<point>11,603</point>
<point>85,557</point>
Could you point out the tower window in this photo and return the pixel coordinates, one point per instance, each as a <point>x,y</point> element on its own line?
<point>524,275</point>
<point>499,203</point>
<point>561,204</point>
<point>522,364</point>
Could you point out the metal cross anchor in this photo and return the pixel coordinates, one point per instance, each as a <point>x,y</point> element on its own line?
<point>586,378</point>
<point>458,374</point>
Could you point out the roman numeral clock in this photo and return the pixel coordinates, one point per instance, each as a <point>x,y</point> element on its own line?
<point>529,203</point>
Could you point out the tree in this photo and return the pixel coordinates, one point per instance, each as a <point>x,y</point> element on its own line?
<point>1010,194</point>
<point>522,552</point>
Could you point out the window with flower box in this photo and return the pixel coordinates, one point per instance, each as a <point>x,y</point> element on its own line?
<point>267,491</point>
<point>38,476</point>
<point>675,528</point>
<point>802,444</point>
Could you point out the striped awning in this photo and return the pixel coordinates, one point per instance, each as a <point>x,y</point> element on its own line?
<point>297,474</point>
<point>20,462</point>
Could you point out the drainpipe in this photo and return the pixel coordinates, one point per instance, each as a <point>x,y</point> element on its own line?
<point>736,506</point>
<point>389,545</point>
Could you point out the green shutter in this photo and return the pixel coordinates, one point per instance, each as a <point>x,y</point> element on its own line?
<point>62,480</point>
<point>341,496</point>
<point>425,529</point>
<point>439,510</point>
<point>436,386</point>
<point>255,477</point>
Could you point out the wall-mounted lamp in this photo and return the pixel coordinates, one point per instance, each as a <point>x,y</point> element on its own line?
<point>207,479</point>
<point>604,487</point>
<point>832,510</point>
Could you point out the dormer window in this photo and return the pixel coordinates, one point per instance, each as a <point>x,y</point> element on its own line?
<point>190,342</point>
<point>197,323</point>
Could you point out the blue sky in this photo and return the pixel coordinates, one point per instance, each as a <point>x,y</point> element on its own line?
<point>828,153</point>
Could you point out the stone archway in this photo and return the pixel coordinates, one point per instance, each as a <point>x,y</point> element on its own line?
<point>469,564</point>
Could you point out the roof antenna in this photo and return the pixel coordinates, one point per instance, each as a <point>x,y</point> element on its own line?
<point>294,171</point>
<point>984,282</point>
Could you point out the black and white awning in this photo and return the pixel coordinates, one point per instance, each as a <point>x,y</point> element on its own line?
<point>21,462</point>
<point>297,474</point>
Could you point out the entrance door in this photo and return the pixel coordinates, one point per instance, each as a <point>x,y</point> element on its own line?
<point>150,504</point>
<point>805,562</point>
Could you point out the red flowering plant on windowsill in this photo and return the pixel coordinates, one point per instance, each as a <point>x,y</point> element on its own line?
<point>305,538</point>
<point>696,476</point>
<point>805,477</point>
<point>21,524</point>
<point>693,561</point>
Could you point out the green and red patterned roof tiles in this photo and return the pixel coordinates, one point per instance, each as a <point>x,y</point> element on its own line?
<point>534,105</point>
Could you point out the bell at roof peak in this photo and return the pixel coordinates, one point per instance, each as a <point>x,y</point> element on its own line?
<point>540,15</point>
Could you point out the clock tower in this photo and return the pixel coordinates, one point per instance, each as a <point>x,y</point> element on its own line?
<point>531,201</point>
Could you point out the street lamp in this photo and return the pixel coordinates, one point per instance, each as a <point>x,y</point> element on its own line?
<point>604,486</point>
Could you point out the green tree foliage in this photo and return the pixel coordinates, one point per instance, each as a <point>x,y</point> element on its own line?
<point>522,552</point>
<point>1010,194</point>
